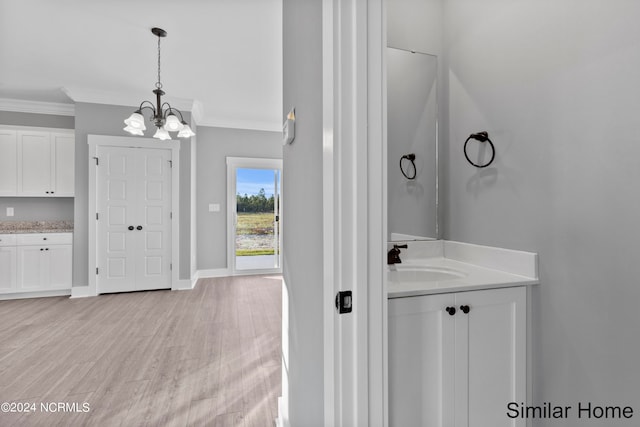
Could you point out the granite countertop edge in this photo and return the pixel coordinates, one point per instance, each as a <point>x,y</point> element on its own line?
<point>37,230</point>
<point>31,227</point>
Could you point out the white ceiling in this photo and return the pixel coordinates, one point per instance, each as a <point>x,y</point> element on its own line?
<point>223,55</point>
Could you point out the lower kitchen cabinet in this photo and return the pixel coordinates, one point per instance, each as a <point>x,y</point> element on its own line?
<point>36,262</point>
<point>457,359</point>
<point>7,269</point>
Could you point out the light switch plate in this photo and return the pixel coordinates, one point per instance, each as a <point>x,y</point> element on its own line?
<point>9,211</point>
<point>214,207</point>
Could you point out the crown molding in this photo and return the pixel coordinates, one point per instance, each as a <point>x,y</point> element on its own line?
<point>118,98</point>
<point>241,124</point>
<point>37,107</point>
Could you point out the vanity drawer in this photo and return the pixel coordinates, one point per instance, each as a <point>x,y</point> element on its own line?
<point>7,240</point>
<point>45,239</point>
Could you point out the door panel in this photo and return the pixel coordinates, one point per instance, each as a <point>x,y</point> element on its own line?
<point>32,266</point>
<point>154,185</point>
<point>421,343</point>
<point>60,270</point>
<point>35,158</point>
<point>7,269</point>
<point>493,333</point>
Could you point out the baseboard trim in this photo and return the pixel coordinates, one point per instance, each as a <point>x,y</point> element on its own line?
<point>282,420</point>
<point>81,292</point>
<point>214,272</point>
<point>36,294</point>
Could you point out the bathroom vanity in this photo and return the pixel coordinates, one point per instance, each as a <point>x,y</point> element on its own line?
<point>457,334</point>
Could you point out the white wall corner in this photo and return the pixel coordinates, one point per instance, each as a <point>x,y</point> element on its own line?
<point>185,284</point>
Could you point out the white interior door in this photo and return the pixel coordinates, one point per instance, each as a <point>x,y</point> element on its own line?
<point>133,236</point>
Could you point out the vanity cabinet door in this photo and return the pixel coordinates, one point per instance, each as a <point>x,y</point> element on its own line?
<point>60,266</point>
<point>30,268</point>
<point>490,361</point>
<point>63,164</point>
<point>8,162</point>
<point>34,159</point>
<point>421,361</point>
<point>7,269</point>
<point>457,359</point>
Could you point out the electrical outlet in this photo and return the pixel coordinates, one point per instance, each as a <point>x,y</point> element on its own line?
<point>9,211</point>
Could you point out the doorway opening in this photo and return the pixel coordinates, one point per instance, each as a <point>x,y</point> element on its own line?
<point>254,215</point>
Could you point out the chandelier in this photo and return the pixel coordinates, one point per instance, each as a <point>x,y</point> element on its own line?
<point>163,114</point>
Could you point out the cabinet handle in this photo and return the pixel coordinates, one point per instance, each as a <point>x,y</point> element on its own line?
<point>46,249</point>
<point>465,309</point>
<point>130,227</point>
<point>44,238</point>
<point>451,310</point>
<point>47,192</point>
<point>41,249</point>
<point>139,227</point>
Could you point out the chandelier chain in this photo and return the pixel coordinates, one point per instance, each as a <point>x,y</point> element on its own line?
<point>158,83</point>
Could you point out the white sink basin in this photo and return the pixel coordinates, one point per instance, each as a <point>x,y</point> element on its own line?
<point>417,274</point>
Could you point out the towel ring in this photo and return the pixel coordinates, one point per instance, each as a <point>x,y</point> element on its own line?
<point>411,157</point>
<point>482,137</point>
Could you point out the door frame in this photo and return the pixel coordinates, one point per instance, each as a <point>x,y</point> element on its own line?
<point>95,141</point>
<point>250,163</point>
<point>354,228</point>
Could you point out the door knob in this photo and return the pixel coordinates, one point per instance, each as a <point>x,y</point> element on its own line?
<point>130,227</point>
<point>451,310</point>
<point>139,227</point>
<point>465,309</point>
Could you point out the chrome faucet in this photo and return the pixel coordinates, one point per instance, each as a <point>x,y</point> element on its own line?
<point>393,256</point>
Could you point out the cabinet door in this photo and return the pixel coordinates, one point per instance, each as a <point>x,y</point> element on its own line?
<point>34,159</point>
<point>63,164</point>
<point>421,354</point>
<point>7,269</point>
<point>30,267</point>
<point>8,162</point>
<point>490,361</point>
<point>59,266</point>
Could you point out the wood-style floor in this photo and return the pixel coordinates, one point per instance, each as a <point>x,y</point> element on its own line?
<point>206,357</point>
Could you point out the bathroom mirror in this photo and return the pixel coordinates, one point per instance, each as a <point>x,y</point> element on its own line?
<point>412,145</point>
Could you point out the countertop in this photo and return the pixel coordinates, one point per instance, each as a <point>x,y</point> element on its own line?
<point>476,278</point>
<point>29,227</point>
<point>457,267</point>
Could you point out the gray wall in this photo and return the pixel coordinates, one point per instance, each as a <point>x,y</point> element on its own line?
<point>556,86</point>
<point>302,209</point>
<point>36,208</point>
<point>40,120</point>
<point>214,146</point>
<point>99,119</point>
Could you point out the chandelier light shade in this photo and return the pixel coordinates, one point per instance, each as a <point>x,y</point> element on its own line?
<point>163,115</point>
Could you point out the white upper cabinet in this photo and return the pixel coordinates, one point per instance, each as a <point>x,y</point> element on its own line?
<point>8,162</point>
<point>36,162</point>
<point>63,163</point>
